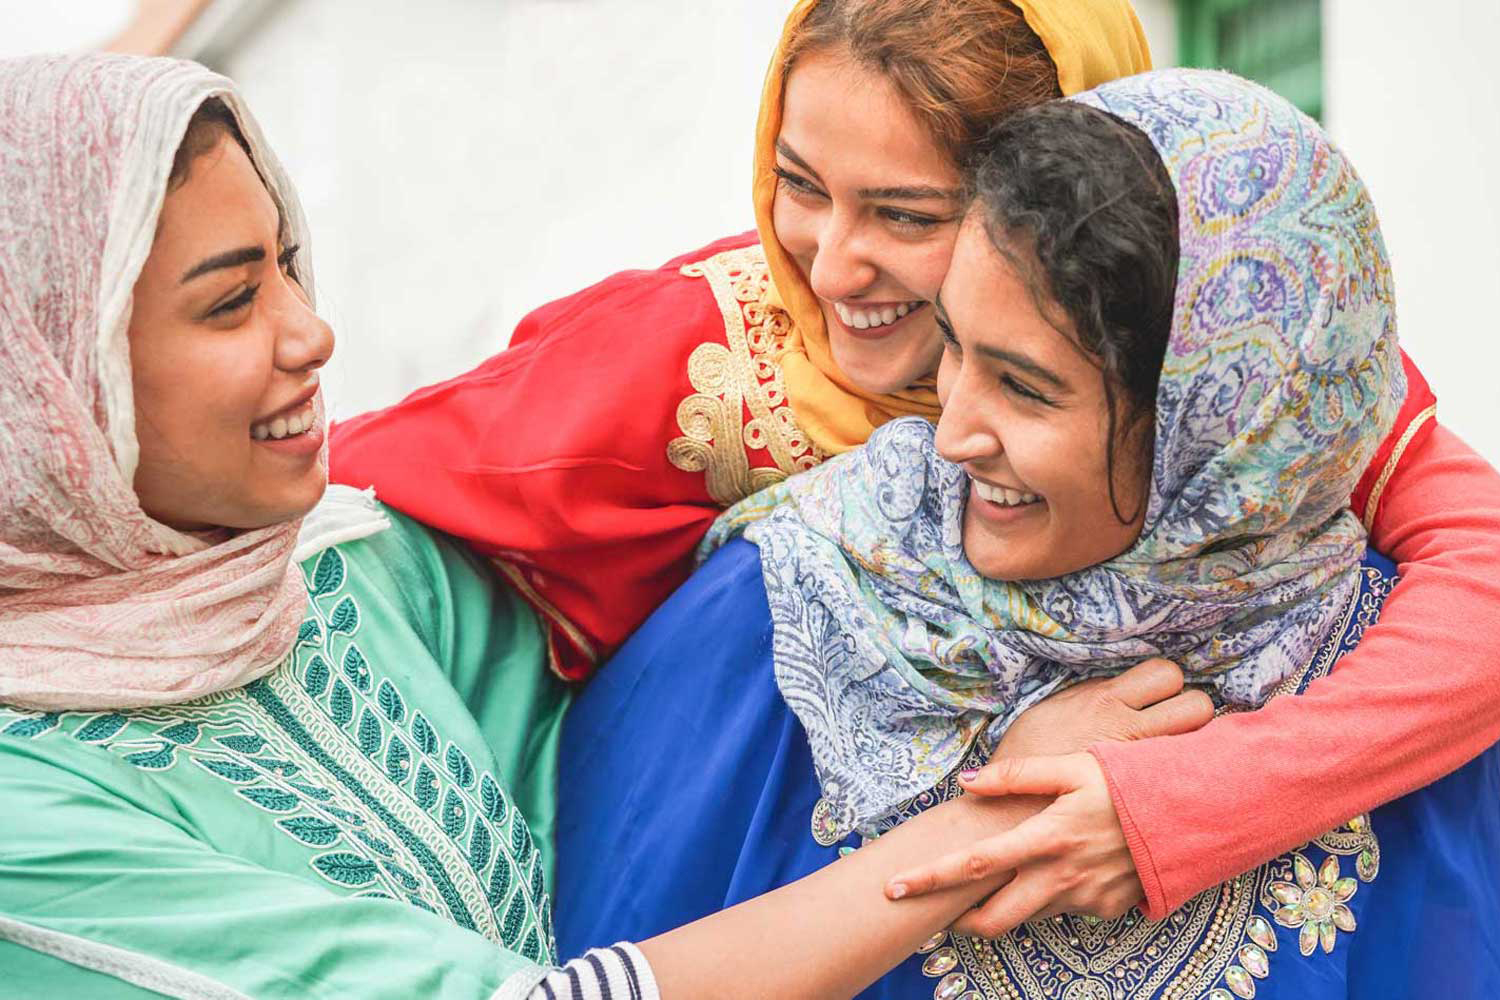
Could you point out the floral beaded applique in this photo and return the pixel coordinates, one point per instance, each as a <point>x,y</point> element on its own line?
<point>349,770</point>
<point>739,407</point>
<point>1218,945</point>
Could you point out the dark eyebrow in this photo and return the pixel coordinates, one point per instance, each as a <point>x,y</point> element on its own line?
<point>913,192</point>
<point>1000,354</point>
<point>1022,362</point>
<point>219,261</point>
<point>919,192</point>
<point>790,154</point>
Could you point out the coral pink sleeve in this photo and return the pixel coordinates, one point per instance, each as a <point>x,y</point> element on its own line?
<point>1417,699</point>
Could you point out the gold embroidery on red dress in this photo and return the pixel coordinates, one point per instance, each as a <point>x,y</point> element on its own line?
<point>739,408</point>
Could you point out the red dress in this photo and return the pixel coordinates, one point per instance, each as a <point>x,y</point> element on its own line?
<point>588,459</point>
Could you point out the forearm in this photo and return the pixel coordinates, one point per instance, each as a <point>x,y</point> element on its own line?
<point>1418,698</point>
<point>833,932</point>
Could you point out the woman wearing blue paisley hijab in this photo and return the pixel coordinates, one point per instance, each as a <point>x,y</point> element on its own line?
<point>1171,348</point>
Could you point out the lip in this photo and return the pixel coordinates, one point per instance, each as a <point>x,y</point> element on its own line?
<point>995,485</point>
<point>295,404</point>
<point>996,515</point>
<point>877,332</point>
<point>309,442</point>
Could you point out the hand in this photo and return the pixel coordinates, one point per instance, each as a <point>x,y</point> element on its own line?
<point>1146,700</point>
<point>1069,858</point>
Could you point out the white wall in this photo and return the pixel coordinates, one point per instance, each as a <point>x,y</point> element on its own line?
<point>1159,19</point>
<point>464,164</point>
<point>1415,101</point>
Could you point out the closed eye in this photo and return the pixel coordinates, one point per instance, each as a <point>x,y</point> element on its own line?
<point>911,220</point>
<point>238,302</point>
<point>796,184</point>
<point>1023,390</point>
<point>949,340</point>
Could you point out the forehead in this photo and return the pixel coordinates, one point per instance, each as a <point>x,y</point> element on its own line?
<point>221,195</point>
<point>989,301</point>
<point>847,119</point>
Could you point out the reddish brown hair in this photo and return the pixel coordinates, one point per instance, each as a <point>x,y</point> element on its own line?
<point>961,65</point>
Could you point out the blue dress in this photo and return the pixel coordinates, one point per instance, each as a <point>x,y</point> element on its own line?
<point>688,786</point>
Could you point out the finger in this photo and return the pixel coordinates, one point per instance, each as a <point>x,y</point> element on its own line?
<point>1185,713</point>
<point>1027,895</point>
<point>1031,841</point>
<point>1051,776</point>
<point>1147,683</point>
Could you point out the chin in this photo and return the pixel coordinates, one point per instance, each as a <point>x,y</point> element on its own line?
<point>292,505</point>
<point>878,367</point>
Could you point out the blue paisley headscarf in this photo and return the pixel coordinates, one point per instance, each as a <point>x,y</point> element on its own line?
<point>1281,376</point>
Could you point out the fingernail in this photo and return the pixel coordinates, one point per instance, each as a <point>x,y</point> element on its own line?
<point>969,773</point>
<point>895,890</point>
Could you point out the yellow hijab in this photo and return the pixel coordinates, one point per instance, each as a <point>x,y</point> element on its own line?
<point>1090,41</point>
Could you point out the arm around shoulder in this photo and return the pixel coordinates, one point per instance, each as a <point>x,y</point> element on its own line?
<point>1418,698</point>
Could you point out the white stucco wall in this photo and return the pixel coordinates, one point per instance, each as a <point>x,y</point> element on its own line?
<point>465,165</point>
<point>462,165</point>
<point>1415,101</point>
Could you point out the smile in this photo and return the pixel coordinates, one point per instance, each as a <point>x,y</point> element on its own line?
<point>869,319</point>
<point>286,425</point>
<point>1004,496</point>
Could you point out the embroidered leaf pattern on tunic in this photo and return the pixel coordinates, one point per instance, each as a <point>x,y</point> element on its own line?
<point>344,769</point>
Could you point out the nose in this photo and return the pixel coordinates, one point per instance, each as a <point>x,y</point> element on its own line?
<point>304,343</point>
<point>965,432</point>
<point>843,265</point>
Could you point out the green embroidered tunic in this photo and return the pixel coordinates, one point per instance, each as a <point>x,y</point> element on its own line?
<point>373,818</point>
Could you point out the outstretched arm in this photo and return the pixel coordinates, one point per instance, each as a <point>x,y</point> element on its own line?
<point>831,933</point>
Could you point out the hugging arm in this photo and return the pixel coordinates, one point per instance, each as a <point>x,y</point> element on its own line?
<point>1418,698</point>
<point>119,889</point>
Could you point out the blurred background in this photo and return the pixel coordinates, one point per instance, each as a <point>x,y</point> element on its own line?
<point>463,161</point>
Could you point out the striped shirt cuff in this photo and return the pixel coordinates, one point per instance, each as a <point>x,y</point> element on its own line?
<point>619,972</point>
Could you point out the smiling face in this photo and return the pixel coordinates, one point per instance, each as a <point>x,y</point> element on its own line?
<point>225,350</point>
<point>1025,414</point>
<point>868,206</point>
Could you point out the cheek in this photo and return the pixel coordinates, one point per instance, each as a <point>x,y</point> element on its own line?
<point>922,268</point>
<point>794,228</point>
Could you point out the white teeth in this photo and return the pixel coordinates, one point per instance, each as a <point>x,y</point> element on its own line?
<point>1003,496</point>
<point>864,319</point>
<point>285,426</point>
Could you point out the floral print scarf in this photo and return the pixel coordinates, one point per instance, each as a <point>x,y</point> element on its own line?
<point>1281,376</point>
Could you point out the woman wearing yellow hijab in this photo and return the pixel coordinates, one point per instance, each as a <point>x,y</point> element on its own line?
<point>588,459</point>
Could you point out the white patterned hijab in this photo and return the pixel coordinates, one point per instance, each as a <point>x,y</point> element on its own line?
<point>100,605</point>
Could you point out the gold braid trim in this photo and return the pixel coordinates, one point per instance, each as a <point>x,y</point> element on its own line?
<point>1378,490</point>
<point>549,614</point>
<point>741,374</point>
